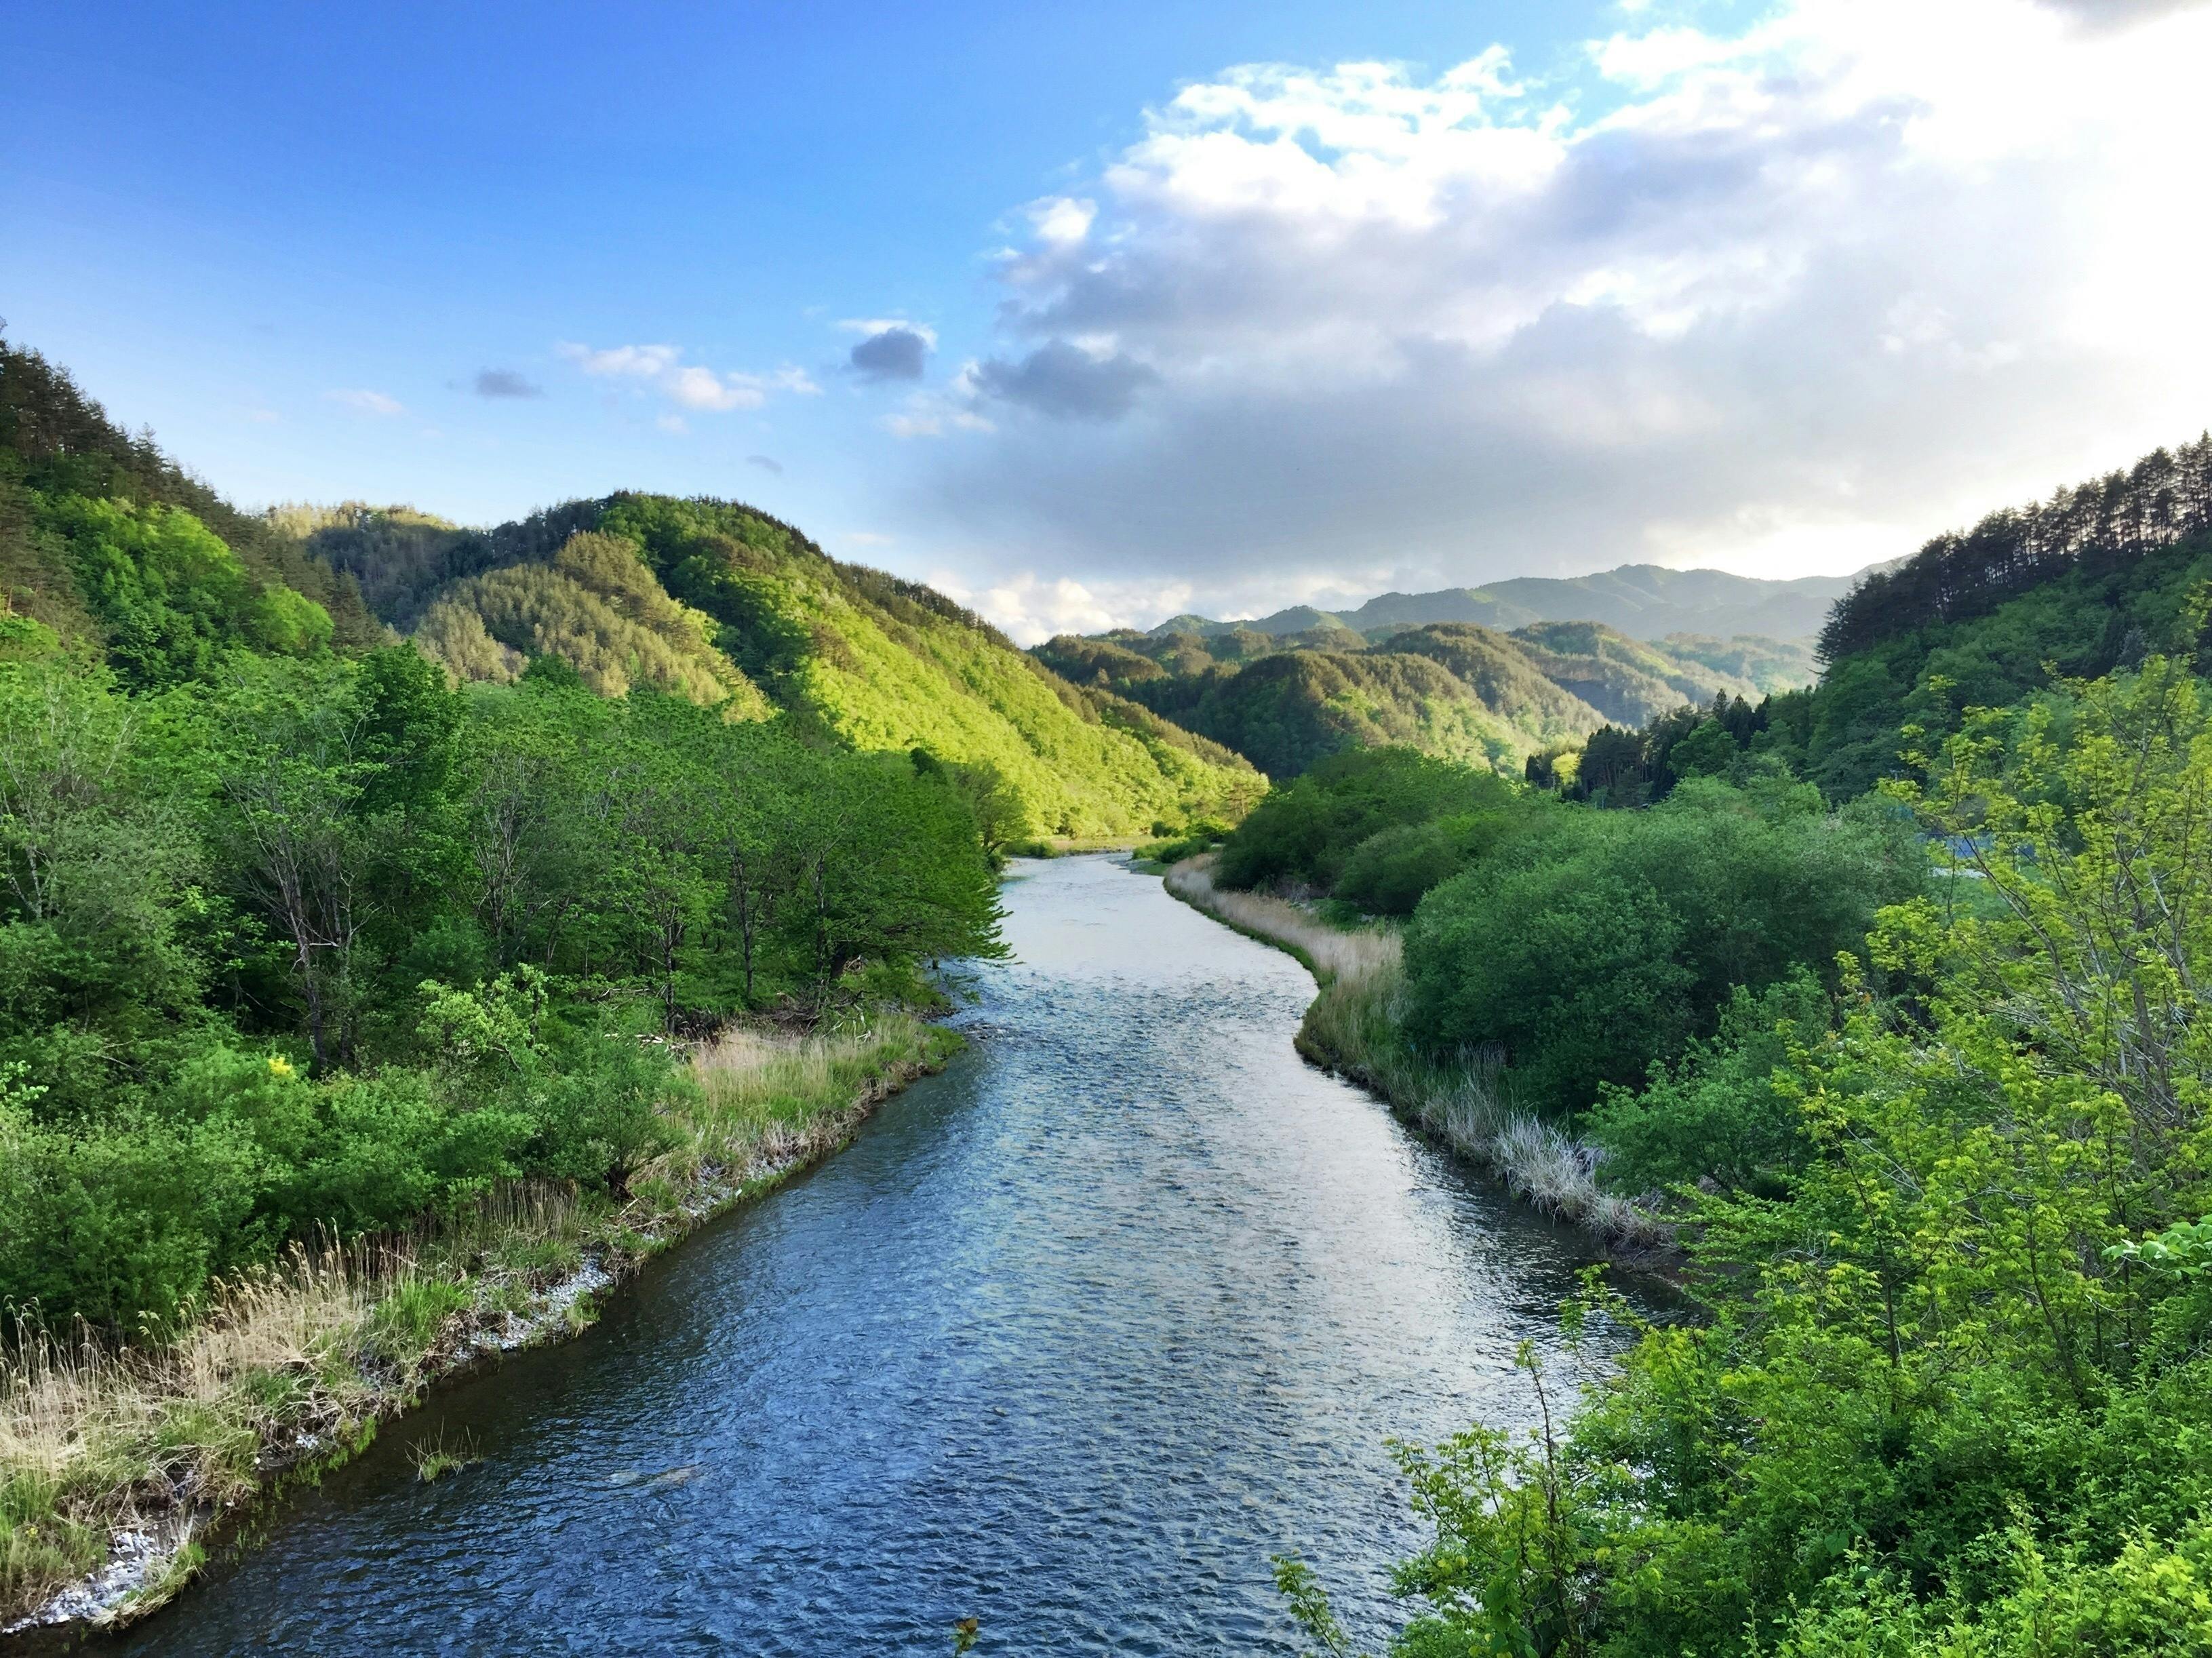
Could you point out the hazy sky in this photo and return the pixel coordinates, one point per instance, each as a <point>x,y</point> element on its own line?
<point>1093,313</point>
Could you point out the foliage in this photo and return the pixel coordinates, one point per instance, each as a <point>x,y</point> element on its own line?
<point>1626,680</point>
<point>1455,689</point>
<point>1714,1116</point>
<point>112,546</point>
<point>1307,834</point>
<point>2098,528</point>
<point>1769,664</point>
<point>596,607</point>
<point>327,945</point>
<point>1608,941</point>
<point>1948,1392</point>
<point>724,605</point>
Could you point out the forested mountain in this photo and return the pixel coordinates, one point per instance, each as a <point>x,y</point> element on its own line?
<point>1289,709</point>
<point>2100,529</point>
<point>1455,689</point>
<point>718,603</point>
<point>114,546</point>
<point>1623,678</point>
<point>301,933</point>
<point>2098,578</point>
<point>108,542</point>
<point>1640,600</point>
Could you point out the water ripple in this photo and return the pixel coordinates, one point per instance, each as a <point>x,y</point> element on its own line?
<point>1070,1341</point>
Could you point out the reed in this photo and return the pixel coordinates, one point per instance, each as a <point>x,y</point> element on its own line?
<point>434,1458</point>
<point>1355,1028</point>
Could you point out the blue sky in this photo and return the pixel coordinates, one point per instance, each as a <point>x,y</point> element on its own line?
<point>1200,316</point>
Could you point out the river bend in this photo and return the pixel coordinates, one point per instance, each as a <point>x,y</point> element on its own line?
<point>1070,1341</point>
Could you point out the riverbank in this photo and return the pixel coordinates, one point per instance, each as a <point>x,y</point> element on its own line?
<point>114,1466</point>
<point>1352,1028</point>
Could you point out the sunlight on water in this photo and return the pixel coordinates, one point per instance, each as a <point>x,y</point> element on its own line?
<point>1070,1341</point>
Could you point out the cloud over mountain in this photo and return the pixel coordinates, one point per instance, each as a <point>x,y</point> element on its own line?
<point>1784,299</point>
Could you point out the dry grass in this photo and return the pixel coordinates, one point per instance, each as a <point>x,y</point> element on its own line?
<point>94,1442</point>
<point>771,1100</point>
<point>1354,1027</point>
<point>112,1460</point>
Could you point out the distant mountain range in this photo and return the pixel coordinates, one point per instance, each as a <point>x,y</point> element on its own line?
<point>1643,601</point>
<point>1457,689</point>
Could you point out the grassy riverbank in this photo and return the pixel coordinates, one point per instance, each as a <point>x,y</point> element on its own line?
<point>1356,1029</point>
<point>114,1463</point>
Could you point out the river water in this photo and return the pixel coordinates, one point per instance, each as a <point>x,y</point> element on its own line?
<point>1070,1341</point>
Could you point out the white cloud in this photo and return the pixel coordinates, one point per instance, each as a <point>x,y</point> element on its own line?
<point>1062,221</point>
<point>634,362</point>
<point>702,388</point>
<point>1031,608</point>
<point>693,386</point>
<point>1787,297</point>
<point>369,402</point>
<point>934,413</point>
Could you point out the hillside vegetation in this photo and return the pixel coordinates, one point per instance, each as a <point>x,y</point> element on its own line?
<point>1917,1074</point>
<point>1455,689</point>
<point>2098,579</point>
<point>719,603</point>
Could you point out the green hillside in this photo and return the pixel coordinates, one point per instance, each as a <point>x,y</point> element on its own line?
<point>1771,664</point>
<point>112,550</point>
<point>1500,671</point>
<point>1455,689</point>
<point>1623,679</point>
<point>120,553</point>
<point>714,600</point>
<point>1288,710</point>
<point>2091,582</point>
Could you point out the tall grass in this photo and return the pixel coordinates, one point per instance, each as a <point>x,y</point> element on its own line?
<point>113,1460</point>
<point>769,1099</point>
<point>1355,1027</point>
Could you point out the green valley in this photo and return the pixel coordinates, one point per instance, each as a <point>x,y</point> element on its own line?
<point>1456,690</point>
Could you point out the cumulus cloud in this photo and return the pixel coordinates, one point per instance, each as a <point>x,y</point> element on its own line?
<point>935,414</point>
<point>896,353</point>
<point>1783,297</point>
<point>1032,608</point>
<point>505,383</point>
<point>661,369</point>
<point>1062,380</point>
<point>369,402</point>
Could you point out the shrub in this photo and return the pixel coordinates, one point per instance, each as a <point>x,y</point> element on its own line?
<point>1717,1114</point>
<point>1591,950</point>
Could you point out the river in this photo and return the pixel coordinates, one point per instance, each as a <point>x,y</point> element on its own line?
<point>1070,1341</point>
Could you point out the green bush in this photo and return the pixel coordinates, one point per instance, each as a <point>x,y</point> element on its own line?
<point>1589,950</point>
<point>1717,1114</point>
<point>1303,834</point>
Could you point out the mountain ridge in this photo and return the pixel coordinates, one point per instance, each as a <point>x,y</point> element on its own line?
<point>1643,601</point>
<point>1459,691</point>
<point>111,552</point>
